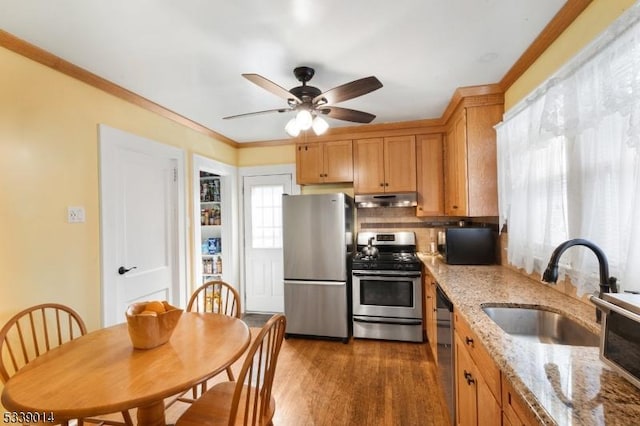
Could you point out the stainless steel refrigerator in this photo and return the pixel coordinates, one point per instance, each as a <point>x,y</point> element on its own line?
<point>317,248</point>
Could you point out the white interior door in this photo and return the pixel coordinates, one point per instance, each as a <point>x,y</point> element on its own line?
<point>140,190</point>
<point>264,274</point>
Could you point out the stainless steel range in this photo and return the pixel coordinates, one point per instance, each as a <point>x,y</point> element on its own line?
<point>387,287</point>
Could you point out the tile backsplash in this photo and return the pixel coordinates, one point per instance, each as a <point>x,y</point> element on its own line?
<point>405,219</point>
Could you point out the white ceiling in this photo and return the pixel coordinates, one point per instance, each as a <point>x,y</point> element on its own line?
<point>188,55</point>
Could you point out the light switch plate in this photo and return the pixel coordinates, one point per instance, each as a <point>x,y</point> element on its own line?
<point>75,214</point>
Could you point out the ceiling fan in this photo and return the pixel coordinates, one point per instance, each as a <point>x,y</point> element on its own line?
<point>311,103</point>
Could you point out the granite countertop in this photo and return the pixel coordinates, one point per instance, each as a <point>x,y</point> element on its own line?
<point>563,385</point>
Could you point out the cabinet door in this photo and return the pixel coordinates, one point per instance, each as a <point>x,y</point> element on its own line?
<point>368,161</point>
<point>515,410</point>
<point>431,318</point>
<point>482,160</point>
<point>309,163</point>
<point>338,161</point>
<point>456,167</point>
<point>400,164</point>
<point>466,392</point>
<point>489,411</point>
<point>430,177</point>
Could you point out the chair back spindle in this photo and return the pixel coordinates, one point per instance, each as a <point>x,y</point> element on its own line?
<point>252,395</point>
<point>216,297</point>
<point>35,331</point>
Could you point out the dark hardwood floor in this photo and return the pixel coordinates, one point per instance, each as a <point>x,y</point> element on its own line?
<point>365,382</point>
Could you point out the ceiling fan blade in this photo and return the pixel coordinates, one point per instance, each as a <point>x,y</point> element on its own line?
<point>270,86</point>
<point>349,90</point>
<point>258,113</point>
<point>347,114</point>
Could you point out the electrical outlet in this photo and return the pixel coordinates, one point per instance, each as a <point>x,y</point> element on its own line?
<point>75,214</point>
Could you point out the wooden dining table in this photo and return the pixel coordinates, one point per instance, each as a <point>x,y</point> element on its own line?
<point>102,373</point>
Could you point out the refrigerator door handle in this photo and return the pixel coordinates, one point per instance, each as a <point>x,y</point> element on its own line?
<point>303,282</point>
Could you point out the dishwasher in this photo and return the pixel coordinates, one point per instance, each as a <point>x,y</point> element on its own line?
<point>444,316</point>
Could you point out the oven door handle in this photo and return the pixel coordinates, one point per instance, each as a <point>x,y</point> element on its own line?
<point>394,321</point>
<point>386,274</point>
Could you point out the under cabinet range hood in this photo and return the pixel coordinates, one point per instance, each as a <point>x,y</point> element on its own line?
<point>406,199</point>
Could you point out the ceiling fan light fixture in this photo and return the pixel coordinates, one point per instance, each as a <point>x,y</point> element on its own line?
<point>304,119</point>
<point>319,125</point>
<point>292,128</point>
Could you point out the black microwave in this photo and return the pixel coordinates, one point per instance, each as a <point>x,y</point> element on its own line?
<point>468,245</point>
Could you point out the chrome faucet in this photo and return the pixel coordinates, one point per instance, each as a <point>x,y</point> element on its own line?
<point>607,284</point>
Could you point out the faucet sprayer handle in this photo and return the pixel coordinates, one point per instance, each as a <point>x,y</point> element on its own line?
<point>613,285</point>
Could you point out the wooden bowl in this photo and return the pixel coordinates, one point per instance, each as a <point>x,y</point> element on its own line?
<point>150,331</point>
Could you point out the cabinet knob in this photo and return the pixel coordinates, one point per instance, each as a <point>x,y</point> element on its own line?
<point>468,340</point>
<point>455,207</point>
<point>386,184</point>
<point>381,184</point>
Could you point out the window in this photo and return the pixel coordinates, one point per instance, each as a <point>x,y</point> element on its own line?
<point>569,166</point>
<point>266,216</point>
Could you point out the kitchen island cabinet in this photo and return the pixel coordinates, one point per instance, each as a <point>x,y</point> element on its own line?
<point>470,161</point>
<point>324,162</point>
<point>384,165</point>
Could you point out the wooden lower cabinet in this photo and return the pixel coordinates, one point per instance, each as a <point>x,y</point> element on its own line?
<point>515,411</point>
<point>430,314</point>
<point>477,378</point>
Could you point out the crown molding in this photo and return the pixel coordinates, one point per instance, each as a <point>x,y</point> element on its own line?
<point>466,96</point>
<point>47,59</point>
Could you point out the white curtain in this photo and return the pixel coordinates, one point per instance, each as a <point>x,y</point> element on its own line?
<point>568,163</point>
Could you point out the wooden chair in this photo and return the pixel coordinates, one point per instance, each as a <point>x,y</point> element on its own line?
<point>248,400</point>
<point>36,330</point>
<point>216,297</point>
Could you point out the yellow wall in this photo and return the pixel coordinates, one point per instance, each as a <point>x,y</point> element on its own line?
<point>267,155</point>
<point>48,161</point>
<point>598,16</point>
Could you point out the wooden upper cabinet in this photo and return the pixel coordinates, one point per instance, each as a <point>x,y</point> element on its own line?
<point>430,175</point>
<point>456,167</point>
<point>368,161</point>
<point>338,161</point>
<point>324,162</point>
<point>309,163</point>
<point>471,187</point>
<point>400,163</point>
<point>385,165</point>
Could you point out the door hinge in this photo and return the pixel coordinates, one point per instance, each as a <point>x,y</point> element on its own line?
<point>175,175</point>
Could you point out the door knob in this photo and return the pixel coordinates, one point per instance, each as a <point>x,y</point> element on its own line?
<point>122,270</point>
